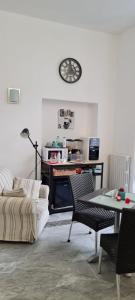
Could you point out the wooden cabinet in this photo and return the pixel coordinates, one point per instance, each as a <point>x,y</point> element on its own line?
<point>57,177</point>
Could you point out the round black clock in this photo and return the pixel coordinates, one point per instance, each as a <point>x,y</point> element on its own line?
<point>70,70</point>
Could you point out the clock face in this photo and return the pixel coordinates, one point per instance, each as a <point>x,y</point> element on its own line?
<point>70,70</point>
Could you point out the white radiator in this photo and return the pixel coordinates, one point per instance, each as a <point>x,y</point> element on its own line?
<point>119,171</point>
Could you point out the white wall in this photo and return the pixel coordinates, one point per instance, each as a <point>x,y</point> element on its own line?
<point>30,53</point>
<point>124,133</point>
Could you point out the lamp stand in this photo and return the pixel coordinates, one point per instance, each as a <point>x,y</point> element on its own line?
<point>35,146</point>
<point>25,133</point>
<point>36,154</point>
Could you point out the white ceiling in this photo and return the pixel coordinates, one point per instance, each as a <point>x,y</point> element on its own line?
<point>103,15</point>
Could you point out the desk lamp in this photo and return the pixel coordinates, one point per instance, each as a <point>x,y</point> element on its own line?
<point>26,134</point>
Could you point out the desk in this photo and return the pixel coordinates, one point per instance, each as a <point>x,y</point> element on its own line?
<point>56,175</point>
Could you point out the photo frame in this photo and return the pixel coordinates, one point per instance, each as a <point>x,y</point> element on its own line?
<point>65,119</point>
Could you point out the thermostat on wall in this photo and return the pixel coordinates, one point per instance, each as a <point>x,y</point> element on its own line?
<point>13,95</point>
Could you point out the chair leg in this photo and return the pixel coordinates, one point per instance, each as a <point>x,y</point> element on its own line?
<point>96,241</point>
<point>100,260</point>
<point>70,232</point>
<point>118,286</point>
<point>94,258</point>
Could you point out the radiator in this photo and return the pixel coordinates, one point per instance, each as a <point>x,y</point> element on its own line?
<point>119,171</point>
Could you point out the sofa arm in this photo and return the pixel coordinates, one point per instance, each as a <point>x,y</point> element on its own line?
<point>44,191</point>
<point>17,206</point>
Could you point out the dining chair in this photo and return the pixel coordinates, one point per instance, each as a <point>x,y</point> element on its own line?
<point>121,246</point>
<point>94,217</point>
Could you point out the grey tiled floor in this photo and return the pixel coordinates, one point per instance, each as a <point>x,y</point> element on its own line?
<point>60,216</point>
<point>52,269</point>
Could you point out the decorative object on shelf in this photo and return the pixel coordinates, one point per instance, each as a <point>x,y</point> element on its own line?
<point>127,200</point>
<point>59,143</point>
<point>121,193</point>
<point>65,119</point>
<point>26,134</point>
<point>70,70</point>
<point>64,142</point>
<point>54,144</point>
<point>118,198</point>
<point>58,157</point>
<point>50,154</point>
<point>13,95</point>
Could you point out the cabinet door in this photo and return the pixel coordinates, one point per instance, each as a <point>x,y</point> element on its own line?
<point>62,194</point>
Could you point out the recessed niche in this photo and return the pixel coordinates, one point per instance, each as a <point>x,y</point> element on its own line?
<point>85,119</point>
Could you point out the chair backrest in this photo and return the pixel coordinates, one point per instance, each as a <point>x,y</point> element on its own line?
<point>81,184</point>
<point>125,262</point>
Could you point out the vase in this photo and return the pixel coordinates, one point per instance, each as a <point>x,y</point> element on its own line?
<point>122,194</point>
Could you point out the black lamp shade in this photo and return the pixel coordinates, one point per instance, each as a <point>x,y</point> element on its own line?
<point>25,133</point>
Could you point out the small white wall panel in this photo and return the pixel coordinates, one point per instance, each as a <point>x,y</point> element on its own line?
<point>13,95</point>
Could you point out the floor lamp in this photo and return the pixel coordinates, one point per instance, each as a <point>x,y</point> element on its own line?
<point>25,134</point>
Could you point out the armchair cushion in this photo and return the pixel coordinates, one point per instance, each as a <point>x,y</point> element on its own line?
<point>6,180</point>
<point>17,205</point>
<point>30,186</point>
<point>44,191</point>
<point>14,193</point>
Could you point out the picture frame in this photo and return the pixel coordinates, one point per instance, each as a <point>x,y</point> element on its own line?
<point>65,119</point>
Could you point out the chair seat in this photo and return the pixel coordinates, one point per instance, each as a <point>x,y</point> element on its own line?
<point>109,242</point>
<point>95,218</point>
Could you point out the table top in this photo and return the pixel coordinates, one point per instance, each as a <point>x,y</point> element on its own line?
<point>109,201</point>
<point>70,163</point>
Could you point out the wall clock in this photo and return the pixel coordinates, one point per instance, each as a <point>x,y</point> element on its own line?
<point>70,70</point>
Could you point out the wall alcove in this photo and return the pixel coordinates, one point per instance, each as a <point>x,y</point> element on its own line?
<point>85,119</point>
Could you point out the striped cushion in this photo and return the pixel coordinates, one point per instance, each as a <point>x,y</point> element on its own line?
<point>6,180</point>
<point>14,193</point>
<point>30,186</point>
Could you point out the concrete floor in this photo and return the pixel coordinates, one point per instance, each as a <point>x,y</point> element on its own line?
<point>52,269</point>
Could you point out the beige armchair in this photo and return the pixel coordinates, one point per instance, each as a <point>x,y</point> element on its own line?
<point>21,218</point>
